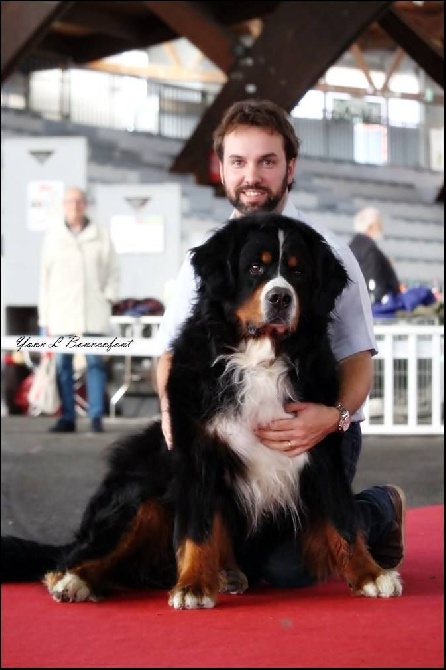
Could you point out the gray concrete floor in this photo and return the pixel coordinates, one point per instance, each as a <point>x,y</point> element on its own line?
<point>47,478</point>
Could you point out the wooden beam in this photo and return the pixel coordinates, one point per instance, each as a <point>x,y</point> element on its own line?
<point>355,92</point>
<point>24,24</point>
<point>154,71</point>
<point>158,72</point>
<point>101,20</point>
<point>296,47</point>
<point>187,20</point>
<point>362,65</point>
<point>393,67</point>
<point>70,49</point>
<point>172,54</point>
<point>417,45</point>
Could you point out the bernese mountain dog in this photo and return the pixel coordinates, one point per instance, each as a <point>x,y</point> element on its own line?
<point>257,338</point>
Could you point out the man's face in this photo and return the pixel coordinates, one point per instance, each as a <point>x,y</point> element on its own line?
<point>378,231</point>
<point>254,170</point>
<point>75,206</point>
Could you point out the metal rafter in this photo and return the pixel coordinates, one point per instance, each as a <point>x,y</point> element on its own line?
<point>101,20</point>
<point>187,20</point>
<point>31,21</point>
<point>417,45</point>
<point>282,74</point>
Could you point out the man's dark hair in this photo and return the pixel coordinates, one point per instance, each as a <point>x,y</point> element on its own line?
<point>262,114</point>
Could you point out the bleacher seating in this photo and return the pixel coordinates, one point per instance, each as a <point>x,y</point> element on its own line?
<point>328,192</point>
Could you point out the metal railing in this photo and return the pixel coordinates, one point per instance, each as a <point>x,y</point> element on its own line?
<point>135,104</point>
<point>408,392</point>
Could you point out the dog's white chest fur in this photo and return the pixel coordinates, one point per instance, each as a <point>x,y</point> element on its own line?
<point>272,480</point>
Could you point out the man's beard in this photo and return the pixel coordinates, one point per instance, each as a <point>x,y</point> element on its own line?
<point>269,205</point>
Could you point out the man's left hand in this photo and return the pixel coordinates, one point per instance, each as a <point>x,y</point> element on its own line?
<point>297,434</point>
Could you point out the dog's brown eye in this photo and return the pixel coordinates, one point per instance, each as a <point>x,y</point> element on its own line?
<point>295,269</point>
<point>256,270</point>
<point>293,265</point>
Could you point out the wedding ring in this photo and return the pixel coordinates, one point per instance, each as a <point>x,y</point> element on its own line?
<point>290,444</point>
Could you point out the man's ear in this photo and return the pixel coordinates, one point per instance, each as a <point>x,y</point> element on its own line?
<point>213,263</point>
<point>291,171</point>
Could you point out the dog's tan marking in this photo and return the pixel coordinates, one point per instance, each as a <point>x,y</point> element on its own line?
<point>51,579</point>
<point>251,310</point>
<point>328,553</point>
<point>199,581</point>
<point>147,539</point>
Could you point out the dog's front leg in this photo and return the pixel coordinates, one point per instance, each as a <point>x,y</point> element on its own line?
<point>198,563</point>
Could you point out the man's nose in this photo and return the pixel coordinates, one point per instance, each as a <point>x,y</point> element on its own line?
<point>252,174</point>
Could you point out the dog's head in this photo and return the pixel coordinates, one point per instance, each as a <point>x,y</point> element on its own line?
<point>269,271</point>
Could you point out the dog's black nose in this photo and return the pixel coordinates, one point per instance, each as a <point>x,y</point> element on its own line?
<point>280,298</point>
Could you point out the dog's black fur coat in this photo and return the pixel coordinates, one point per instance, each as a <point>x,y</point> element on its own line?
<point>196,497</point>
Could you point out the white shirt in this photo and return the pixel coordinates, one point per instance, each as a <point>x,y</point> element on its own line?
<point>351,330</point>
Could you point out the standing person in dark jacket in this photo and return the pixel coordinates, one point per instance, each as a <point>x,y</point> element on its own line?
<point>379,274</point>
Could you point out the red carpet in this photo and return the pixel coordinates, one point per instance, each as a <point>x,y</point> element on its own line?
<point>322,626</point>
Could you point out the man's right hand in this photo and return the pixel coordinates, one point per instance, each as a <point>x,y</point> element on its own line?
<point>162,373</point>
<point>165,426</point>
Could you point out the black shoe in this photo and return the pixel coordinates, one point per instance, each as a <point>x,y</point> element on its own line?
<point>389,553</point>
<point>63,426</point>
<point>96,426</point>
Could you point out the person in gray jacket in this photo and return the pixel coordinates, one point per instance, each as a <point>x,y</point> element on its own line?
<point>79,282</point>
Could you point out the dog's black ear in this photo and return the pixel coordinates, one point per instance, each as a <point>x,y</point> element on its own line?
<point>213,262</point>
<point>330,277</point>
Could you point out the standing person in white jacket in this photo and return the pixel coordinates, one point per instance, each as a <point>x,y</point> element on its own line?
<point>79,282</point>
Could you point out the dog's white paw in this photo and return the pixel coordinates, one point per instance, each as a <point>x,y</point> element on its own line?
<point>72,589</point>
<point>387,585</point>
<point>185,599</point>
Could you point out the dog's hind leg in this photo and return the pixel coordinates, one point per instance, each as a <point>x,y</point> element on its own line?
<point>326,552</point>
<point>232,579</point>
<point>199,575</point>
<point>143,547</point>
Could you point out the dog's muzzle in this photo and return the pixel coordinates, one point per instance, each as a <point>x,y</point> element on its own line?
<point>279,305</point>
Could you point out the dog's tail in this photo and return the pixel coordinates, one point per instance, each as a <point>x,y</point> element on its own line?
<point>26,560</point>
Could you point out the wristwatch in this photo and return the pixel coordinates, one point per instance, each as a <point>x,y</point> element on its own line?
<point>344,417</point>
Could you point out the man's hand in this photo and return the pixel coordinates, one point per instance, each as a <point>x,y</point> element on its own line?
<point>165,427</point>
<point>297,434</point>
<point>162,373</point>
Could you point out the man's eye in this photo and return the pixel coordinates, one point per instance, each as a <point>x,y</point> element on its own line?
<point>256,270</point>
